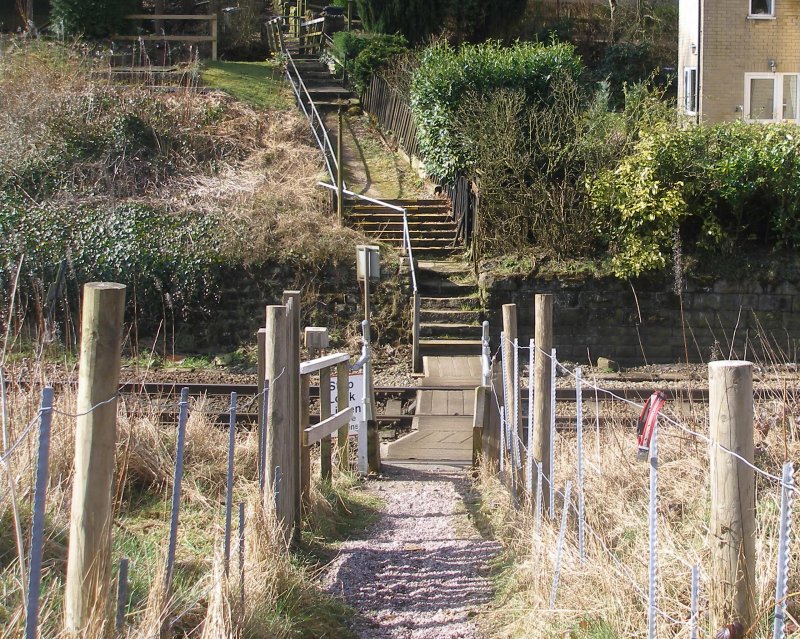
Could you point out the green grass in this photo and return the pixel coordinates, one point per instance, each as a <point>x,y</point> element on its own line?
<point>259,84</point>
<point>344,512</point>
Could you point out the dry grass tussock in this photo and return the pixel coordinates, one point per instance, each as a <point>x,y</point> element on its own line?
<point>606,597</point>
<point>279,593</point>
<point>72,136</point>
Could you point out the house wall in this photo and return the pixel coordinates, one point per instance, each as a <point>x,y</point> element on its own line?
<point>688,24</point>
<point>733,44</point>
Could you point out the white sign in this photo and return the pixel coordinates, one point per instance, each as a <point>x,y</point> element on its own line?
<point>355,401</point>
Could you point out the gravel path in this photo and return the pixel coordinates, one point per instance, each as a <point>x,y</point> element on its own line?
<point>421,572</point>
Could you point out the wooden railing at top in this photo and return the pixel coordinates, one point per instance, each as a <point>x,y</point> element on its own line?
<point>395,118</point>
<point>211,18</point>
<point>328,424</point>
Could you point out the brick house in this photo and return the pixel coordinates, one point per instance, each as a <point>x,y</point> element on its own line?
<point>739,59</point>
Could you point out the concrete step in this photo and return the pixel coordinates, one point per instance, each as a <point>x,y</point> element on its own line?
<point>413,227</point>
<point>430,346</point>
<point>435,315</point>
<point>472,302</point>
<point>449,330</point>
<point>376,209</point>
<point>442,288</point>
<point>397,225</point>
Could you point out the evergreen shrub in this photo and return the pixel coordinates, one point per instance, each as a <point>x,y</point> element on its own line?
<point>446,75</point>
<point>714,189</point>
<point>366,54</point>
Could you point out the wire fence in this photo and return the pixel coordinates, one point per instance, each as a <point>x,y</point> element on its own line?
<point>41,435</point>
<point>662,487</point>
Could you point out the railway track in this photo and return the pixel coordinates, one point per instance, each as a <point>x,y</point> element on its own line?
<point>218,394</point>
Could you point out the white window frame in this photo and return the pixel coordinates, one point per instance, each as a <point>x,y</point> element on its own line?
<point>777,96</point>
<point>688,85</point>
<point>770,15</point>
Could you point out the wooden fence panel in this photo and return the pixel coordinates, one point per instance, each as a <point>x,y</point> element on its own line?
<point>395,119</point>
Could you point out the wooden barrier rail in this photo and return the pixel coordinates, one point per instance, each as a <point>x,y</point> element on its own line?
<point>321,433</point>
<point>211,18</point>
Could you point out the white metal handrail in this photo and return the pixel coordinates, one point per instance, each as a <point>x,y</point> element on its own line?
<point>406,232</point>
<point>312,114</point>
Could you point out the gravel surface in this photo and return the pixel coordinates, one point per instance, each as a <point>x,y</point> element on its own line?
<point>421,570</point>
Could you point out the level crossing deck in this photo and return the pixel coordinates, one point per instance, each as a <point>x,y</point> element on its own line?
<point>442,426</point>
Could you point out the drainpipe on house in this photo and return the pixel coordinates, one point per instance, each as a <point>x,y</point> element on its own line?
<point>699,61</point>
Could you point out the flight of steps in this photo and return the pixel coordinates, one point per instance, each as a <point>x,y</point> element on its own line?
<point>431,228</point>
<point>451,311</point>
<point>325,90</point>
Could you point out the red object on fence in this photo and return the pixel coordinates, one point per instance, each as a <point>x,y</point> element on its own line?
<point>647,420</point>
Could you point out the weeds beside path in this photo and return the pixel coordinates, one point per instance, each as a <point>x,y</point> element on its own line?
<point>370,167</point>
<point>421,572</point>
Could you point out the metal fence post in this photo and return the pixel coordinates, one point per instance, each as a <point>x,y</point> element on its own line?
<point>229,482</point>
<point>122,592</point>
<point>782,581</point>
<point>183,414</point>
<point>579,441</point>
<point>694,601</point>
<point>39,502</point>
<point>561,538</point>
<point>653,539</point>
<point>552,451</point>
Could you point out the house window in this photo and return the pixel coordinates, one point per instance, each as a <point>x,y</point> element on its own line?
<point>771,97</point>
<point>690,90</point>
<point>762,8</point>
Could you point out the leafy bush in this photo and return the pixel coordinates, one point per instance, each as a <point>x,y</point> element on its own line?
<point>626,63</point>
<point>415,19</point>
<point>716,188</point>
<point>366,54</point>
<point>471,20</point>
<point>446,75</point>
<point>93,18</point>
<point>165,258</point>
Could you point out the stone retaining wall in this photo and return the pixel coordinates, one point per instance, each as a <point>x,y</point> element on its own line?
<point>645,323</point>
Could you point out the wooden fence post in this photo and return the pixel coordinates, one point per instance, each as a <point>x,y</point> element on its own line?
<point>325,412</point>
<point>512,417</point>
<point>88,587</point>
<point>292,301</point>
<point>305,451</point>
<point>480,422</point>
<point>278,435</point>
<point>261,367</point>
<point>214,37</point>
<point>732,526</point>
<point>343,401</point>
<point>543,343</point>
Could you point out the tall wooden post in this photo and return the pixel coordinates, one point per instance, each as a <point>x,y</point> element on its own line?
<point>261,368</point>
<point>340,169</point>
<point>325,412</point>
<point>732,526</point>
<point>292,301</point>
<point>280,464</point>
<point>342,402</point>
<point>88,588</point>
<point>542,371</point>
<point>513,421</point>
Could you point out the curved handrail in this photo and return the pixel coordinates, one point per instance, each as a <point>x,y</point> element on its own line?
<point>406,232</point>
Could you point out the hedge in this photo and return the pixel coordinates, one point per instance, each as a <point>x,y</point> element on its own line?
<point>446,75</point>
